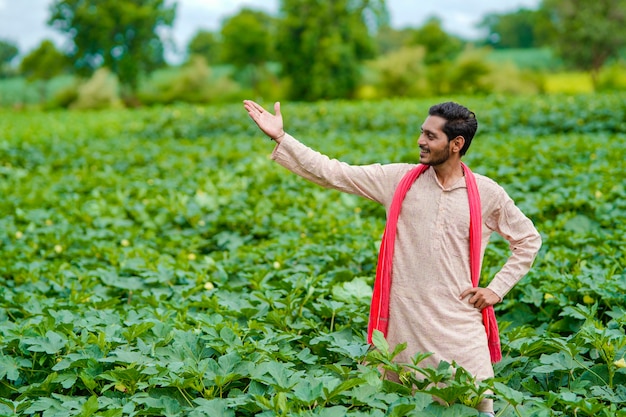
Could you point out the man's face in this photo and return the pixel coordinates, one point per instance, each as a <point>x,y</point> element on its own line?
<point>433,142</point>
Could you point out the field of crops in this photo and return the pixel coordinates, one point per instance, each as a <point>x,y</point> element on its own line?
<point>156,262</point>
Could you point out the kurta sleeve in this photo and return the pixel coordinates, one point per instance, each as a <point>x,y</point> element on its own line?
<point>369,181</point>
<point>524,243</point>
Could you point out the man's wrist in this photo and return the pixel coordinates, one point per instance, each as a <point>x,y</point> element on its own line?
<point>278,138</point>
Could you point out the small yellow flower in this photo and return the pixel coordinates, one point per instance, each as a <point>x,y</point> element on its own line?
<point>357,210</point>
<point>19,235</point>
<point>58,248</point>
<point>588,300</point>
<point>548,296</point>
<point>276,265</point>
<point>598,194</point>
<point>201,223</point>
<point>125,242</point>
<point>208,286</point>
<point>191,256</point>
<point>620,363</point>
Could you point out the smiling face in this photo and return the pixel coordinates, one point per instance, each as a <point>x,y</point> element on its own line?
<point>433,143</point>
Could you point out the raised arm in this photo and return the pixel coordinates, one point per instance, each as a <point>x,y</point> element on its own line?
<point>270,124</point>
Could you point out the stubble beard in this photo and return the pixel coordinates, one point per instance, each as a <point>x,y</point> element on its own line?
<point>438,158</point>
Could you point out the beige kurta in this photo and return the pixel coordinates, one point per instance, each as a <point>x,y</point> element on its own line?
<point>431,260</point>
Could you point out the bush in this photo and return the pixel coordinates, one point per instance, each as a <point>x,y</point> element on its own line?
<point>64,97</point>
<point>506,78</point>
<point>193,83</point>
<point>401,73</point>
<point>101,91</point>
<point>612,77</point>
<point>470,73</point>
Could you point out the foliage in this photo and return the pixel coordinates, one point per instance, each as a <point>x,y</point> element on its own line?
<point>535,59</point>
<point>569,83</point>
<point>8,51</point>
<point>247,38</point>
<point>247,42</point>
<point>508,79</point>
<point>389,39</point>
<point>43,64</point>
<point>122,36</point>
<point>193,83</point>
<point>156,262</point>
<point>321,45</point>
<point>469,74</point>
<point>440,46</point>
<point>401,73</point>
<point>586,34</point>
<point>205,44</point>
<point>99,92</point>
<point>612,77</point>
<point>512,30</point>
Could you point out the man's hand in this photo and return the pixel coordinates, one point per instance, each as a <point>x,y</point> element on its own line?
<point>480,297</point>
<point>270,124</point>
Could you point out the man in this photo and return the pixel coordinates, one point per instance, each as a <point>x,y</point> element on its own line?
<point>430,247</point>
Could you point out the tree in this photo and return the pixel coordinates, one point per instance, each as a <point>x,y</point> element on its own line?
<point>205,44</point>
<point>440,46</point>
<point>120,35</point>
<point>512,30</point>
<point>401,73</point>
<point>321,45</point>
<point>8,51</point>
<point>43,64</point>
<point>247,41</point>
<point>389,39</point>
<point>587,33</point>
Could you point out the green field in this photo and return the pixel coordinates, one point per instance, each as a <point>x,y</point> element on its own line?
<point>156,262</point>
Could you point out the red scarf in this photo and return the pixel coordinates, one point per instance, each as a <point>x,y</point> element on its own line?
<point>379,311</point>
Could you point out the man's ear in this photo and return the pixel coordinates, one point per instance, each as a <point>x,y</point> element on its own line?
<point>457,143</point>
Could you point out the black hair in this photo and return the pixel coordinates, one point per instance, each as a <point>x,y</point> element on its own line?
<point>460,121</point>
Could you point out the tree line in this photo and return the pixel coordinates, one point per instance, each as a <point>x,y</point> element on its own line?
<point>318,50</point>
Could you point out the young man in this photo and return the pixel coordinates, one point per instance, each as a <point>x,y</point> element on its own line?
<point>432,248</point>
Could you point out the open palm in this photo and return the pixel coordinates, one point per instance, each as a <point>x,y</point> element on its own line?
<point>270,124</point>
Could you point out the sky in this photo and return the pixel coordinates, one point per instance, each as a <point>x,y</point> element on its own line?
<point>24,21</point>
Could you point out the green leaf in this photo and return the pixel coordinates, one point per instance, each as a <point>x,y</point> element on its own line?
<point>90,407</point>
<point>559,361</point>
<point>10,367</point>
<point>509,394</point>
<point>52,343</point>
<point>216,407</point>
<point>378,339</point>
<point>353,291</point>
<point>308,390</point>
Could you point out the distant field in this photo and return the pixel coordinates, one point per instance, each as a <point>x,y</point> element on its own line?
<point>18,90</point>
<point>542,59</point>
<point>568,82</point>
